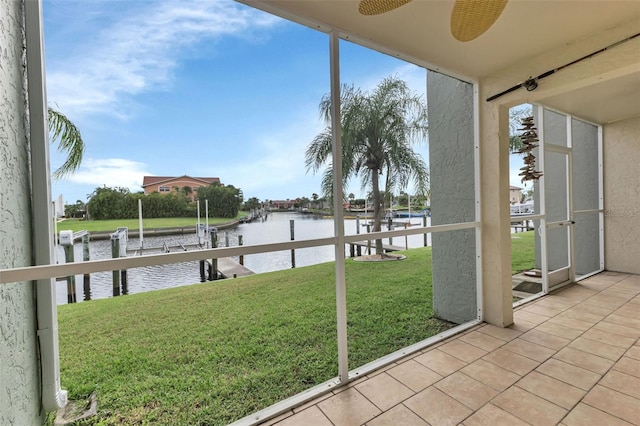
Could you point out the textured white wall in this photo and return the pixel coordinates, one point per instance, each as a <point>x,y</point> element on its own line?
<point>451,165</point>
<point>622,196</point>
<point>19,371</point>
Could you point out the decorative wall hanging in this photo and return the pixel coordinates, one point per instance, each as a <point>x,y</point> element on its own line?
<point>529,138</point>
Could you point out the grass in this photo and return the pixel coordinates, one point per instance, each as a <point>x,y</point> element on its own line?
<point>213,353</point>
<point>522,252</point>
<point>111,225</point>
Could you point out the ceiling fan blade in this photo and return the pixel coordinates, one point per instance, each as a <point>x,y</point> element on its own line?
<point>377,7</point>
<point>471,18</point>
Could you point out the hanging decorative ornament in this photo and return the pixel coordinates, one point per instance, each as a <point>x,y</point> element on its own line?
<point>529,138</point>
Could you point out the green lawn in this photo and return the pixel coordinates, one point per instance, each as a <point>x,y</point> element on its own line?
<point>111,225</point>
<point>522,251</point>
<point>213,353</point>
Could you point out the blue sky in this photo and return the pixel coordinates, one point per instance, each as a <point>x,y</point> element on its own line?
<point>195,87</point>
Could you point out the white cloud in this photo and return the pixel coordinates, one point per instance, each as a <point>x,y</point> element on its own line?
<point>112,172</point>
<point>140,52</point>
<point>276,162</point>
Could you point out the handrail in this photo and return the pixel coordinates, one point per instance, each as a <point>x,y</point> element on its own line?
<point>30,273</point>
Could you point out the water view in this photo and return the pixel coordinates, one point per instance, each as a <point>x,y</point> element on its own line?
<point>274,230</point>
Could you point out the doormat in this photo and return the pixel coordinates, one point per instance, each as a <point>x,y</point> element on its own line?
<point>529,287</point>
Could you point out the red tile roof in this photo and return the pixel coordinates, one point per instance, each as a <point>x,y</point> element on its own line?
<point>151,180</point>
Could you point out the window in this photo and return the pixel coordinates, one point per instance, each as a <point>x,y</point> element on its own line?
<point>164,189</point>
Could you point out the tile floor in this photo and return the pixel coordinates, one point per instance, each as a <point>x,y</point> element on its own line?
<point>571,358</point>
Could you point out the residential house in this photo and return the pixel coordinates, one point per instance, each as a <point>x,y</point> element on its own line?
<point>577,62</point>
<point>515,194</point>
<point>171,184</point>
<point>283,204</point>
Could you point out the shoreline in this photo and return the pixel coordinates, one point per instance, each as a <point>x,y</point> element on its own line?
<point>152,232</point>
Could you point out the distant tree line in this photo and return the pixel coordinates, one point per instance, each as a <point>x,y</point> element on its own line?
<point>120,203</point>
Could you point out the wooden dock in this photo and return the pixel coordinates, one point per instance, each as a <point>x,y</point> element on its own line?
<point>387,248</point>
<point>228,268</point>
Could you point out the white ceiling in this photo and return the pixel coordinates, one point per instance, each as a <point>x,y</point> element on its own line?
<point>527,28</point>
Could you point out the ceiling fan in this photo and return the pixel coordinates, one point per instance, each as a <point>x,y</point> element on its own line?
<point>469,18</point>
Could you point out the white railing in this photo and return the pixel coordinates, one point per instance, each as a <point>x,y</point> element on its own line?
<point>32,273</point>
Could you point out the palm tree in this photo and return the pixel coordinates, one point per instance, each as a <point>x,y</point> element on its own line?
<point>69,141</point>
<point>378,131</point>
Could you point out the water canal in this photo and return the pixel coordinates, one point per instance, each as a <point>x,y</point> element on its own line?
<point>275,229</point>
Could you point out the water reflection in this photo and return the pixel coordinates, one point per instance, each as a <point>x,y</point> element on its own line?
<point>275,229</point>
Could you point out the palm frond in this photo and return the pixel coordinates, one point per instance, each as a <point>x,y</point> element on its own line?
<point>69,140</point>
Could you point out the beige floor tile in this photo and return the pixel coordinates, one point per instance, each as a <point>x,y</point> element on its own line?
<point>482,341</point>
<point>384,391</point>
<point>610,339</point>
<point>545,339</point>
<point>463,351</point>
<point>310,417</point>
<point>615,403</point>
<point>617,329</point>
<point>596,285</point>
<point>382,370</point>
<point>576,293</point>
<point>555,303</point>
<point>511,361</point>
<point>437,408</point>
<point>585,360</point>
<point>575,376</point>
<point>398,415</point>
<point>466,390</point>
<point>277,419</point>
<point>628,366</point>
<point>628,322</point>
<point>490,374</point>
<point>545,311</point>
<point>353,383</point>
<point>585,415</point>
<point>312,402</point>
<point>530,350</point>
<point>348,408</point>
<point>615,294</point>
<point>629,312</point>
<point>559,330</point>
<point>598,307</point>
<point>440,362</point>
<point>522,325</point>
<point>414,375</point>
<point>490,415</point>
<point>529,407</point>
<point>552,390</point>
<point>577,313</point>
<point>622,382</point>
<point>507,333</point>
<point>571,323</point>
<point>597,348</point>
<point>633,352</point>
<point>522,315</point>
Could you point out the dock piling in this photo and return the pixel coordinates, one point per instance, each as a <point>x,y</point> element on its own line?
<point>71,279</point>
<point>87,277</point>
<point>293,252</point>
<point>424,223</point>
<point>115,253</point>
<point>214,262</point>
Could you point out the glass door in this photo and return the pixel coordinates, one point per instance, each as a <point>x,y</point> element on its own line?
<point>559,220</point>
<point>556,201</point>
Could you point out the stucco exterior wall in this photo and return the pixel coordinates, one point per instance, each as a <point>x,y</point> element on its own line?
<point>19,371</point>
<point>451,164</point>
<point>622,196</point>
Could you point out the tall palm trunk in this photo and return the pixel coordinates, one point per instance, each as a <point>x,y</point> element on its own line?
<point>377,208</point>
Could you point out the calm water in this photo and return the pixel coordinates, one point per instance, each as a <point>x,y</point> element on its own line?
<point>275,229</point>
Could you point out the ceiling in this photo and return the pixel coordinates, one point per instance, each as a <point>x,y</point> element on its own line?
<point>419,31</point>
